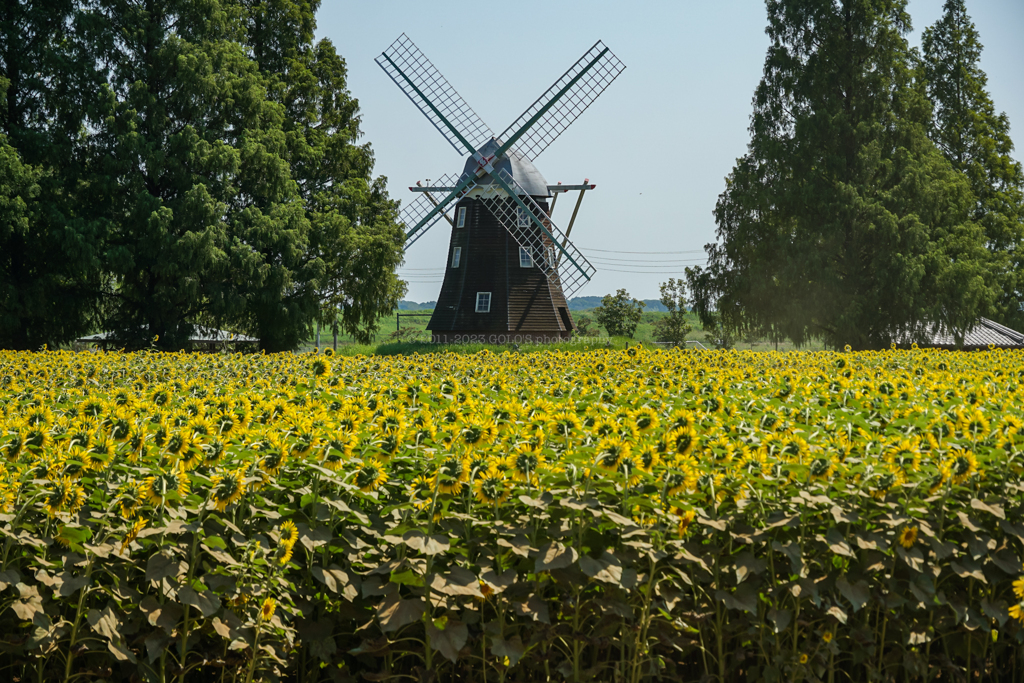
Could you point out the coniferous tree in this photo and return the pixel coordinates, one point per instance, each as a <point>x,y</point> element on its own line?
<point>976,140</point>
<point>50,234</point>
<point>843,221</point>
<point>354,225</point>
<point>208,223</point>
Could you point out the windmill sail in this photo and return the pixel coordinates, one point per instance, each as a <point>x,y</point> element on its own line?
<point>433,95</point>
<point>532,229</point>
<point>423,212</point>
<point>562,103</point>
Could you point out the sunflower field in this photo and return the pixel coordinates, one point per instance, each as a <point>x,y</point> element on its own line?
<point>636,515</point>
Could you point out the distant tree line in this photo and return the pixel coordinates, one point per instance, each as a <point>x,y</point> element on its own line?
<point>877,196</point>
<point>179,163</point>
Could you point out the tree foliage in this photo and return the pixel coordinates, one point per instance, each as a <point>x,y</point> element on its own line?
<point>843,221</point>
<point>354,225</point>
<point>977,142</point>
<point>673,327</point>
<point>50,237</point>
<point>185,164</point>
<point>619,314</point>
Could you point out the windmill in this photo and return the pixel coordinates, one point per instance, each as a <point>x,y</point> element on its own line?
<point>510,268</point>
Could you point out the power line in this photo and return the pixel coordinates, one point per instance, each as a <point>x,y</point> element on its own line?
<point>640,272</point>
<point>655,263</point>
<point>616,251</point>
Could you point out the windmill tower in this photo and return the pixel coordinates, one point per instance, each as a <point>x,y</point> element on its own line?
<point>510,269</point>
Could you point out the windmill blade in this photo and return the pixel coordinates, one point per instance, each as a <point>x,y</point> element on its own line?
<point>563,102</point>
<point>423,212</point>
<point>422,83</point>
<point>532,229</point>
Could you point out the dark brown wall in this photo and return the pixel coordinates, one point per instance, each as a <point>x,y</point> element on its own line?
<point>523,301</point>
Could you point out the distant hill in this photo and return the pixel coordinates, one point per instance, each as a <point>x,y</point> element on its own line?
<point>413,306</point>
<point>583,303</point>
<point>579,303</point>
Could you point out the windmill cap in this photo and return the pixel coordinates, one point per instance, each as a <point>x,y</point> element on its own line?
<point>520,168</point>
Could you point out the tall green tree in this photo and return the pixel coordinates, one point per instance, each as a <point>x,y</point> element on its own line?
<point>209,227</point>
<point>49,254</point>
<point>977,142</point>
<point>843,221</point>
<point>673,327</point>
<point>619,314</point>
<point>354,224</point>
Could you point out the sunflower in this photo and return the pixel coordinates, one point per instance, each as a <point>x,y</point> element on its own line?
<point>604,427</point>
<point>564,424</point>
<point>491,488</point>
<point>1017,611</point>
<point>267,609</point>
<point>524,462</point>
<point>960,466</point>
<point>136,442</point>
<point>648,456</point>
<point>610,452</point>
<point>350,419</point>
<point>130,499</point>
<point>227,488</point>
<point>289,533</point>
<point>822,468</point>
<point>213,452</point>
<point>631,468</point>
<point>685,520</point>
<point>66,496</point>
<point>133,533</point>
<point>451,474</point>
<point>388,444</point>
<point>320,368</point>
<point>682,440</point>
<point>645,418</point>
<point>421,490</point>
<point>677,479</point>
<point>158,489</point>
<point>1018,588</point>
<point>178,443</point>
<point>391,421</point>
<point>369,477</point>
<point>275,454</point>
<point>201,427</point>
<point>475,432</point>
<point>908,536</point>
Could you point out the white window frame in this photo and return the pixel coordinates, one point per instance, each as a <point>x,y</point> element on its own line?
<point>522,217</point>
<point>551,255</point>
<point>525,258</point>
<point>456,257</point>
<point>484,305</point>
<point>461,222</point>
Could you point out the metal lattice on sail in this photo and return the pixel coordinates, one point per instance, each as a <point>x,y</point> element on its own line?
<point>556,109</point>
<point>433,95</point>
<point>415,210</point>
<point>533,230</point>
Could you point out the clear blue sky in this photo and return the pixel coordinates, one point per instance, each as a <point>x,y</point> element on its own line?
<point>658,143</point>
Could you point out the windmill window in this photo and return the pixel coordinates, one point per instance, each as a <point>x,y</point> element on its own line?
<point>551,256</point>
<point>461,223</point>
<point>456,256</point>
<point>525,258</point>
<point>523,217</point>
<point>483,302</point>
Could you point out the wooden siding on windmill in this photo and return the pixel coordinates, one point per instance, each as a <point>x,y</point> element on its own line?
<point>523,300</point>
<point>533,300</point>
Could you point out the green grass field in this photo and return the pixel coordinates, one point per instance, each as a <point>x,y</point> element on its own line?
<point>409,334</point>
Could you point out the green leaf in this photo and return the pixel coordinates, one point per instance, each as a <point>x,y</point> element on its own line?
<point>407,578</point>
